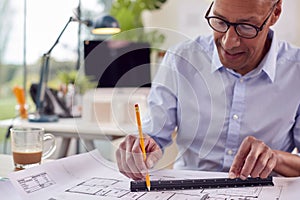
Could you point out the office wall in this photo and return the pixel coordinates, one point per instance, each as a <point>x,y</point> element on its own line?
<point>179,20</point>
<point>288,26</point>
<point>182,19</point>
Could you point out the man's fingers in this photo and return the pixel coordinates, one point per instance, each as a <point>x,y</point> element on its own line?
<point>126,158</point>
<point>239,159</point>
<point>254,158</point>
<point>251,163</point>
<point>261,163</point>
<point>235,169</point>
<point>130,158</point>
<point>138,158</point>
<point>154,152</point>
<point>124,169</point>
<point>269,167</point>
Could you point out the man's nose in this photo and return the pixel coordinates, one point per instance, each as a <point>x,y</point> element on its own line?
<point>230,39</point>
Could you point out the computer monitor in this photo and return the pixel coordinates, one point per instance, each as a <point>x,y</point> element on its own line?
<point>113,63</point>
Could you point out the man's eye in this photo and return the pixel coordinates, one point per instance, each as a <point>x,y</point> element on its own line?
<point>220,22</point>
<point>246,27</point>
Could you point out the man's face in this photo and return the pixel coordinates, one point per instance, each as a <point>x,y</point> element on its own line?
<point>235,52</point>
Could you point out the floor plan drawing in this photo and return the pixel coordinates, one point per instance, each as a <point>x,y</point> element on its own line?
<point>115,188</point>
<point>68,179</point>
<point>37,182</point>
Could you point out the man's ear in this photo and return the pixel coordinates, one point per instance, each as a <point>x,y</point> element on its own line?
<point>276,14</point>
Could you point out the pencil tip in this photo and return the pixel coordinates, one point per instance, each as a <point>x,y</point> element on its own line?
<point>148,189</point>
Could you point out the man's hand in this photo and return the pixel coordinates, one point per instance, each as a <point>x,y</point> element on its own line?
<point>254,158</point>
<point>130,157</point>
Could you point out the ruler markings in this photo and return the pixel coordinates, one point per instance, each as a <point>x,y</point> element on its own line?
<point>187,184</point>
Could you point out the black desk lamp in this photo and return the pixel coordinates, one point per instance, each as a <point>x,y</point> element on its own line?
<point>103,25</point>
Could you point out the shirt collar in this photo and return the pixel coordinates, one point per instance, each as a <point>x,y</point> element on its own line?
<point>269,61</point>
<point>268,64</point>
<point>216,63</point>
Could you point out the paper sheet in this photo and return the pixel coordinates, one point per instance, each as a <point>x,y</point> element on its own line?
<point>90,176</point>
<point>7,191</point>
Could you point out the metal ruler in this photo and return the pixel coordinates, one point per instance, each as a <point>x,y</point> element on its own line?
<point>188,184</point>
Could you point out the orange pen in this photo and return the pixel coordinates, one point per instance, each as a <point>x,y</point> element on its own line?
<point>20,96</point>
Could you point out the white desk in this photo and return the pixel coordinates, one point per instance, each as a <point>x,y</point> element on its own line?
<point>6,165</point>
<point>76,128</point>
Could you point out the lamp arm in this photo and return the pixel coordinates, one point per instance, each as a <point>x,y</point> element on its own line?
<point>59,36</point>
<point>88,23</point>
<point>45,71</point>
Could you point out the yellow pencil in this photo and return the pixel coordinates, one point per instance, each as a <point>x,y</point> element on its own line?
<point>142,143</point>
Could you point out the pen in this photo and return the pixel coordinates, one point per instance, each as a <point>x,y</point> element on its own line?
<point>142,143</point>
<point>20,96</point>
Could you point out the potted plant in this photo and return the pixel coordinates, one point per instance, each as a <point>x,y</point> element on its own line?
<point>72,88</point>
<point>129,15</point>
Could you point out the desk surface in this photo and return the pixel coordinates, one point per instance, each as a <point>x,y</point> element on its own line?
<point>76,127</point>
<point>6,165</point>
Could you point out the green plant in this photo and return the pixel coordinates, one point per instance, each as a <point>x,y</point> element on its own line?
<point>81,82</point>
<point>129,15</point>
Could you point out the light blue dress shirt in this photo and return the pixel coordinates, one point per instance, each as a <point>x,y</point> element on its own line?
<point>214,108</point>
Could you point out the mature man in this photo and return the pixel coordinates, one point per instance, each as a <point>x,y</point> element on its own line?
<point>233,96</point>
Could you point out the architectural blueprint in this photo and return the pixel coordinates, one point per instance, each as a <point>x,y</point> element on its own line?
<point>90,176</point>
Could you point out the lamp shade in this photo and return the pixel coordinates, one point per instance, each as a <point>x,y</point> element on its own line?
<point>106,24</point>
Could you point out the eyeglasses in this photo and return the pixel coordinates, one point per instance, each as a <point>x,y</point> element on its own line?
<point>243,30</point>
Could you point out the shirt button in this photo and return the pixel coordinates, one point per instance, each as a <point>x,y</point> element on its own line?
<point>241,80</point>
<point>229,152</point>
<point>235,117</point>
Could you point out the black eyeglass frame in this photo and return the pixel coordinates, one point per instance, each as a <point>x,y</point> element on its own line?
<point>258,29</point>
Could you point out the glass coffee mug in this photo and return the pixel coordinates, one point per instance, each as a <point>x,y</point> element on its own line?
<point>28,146</point>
